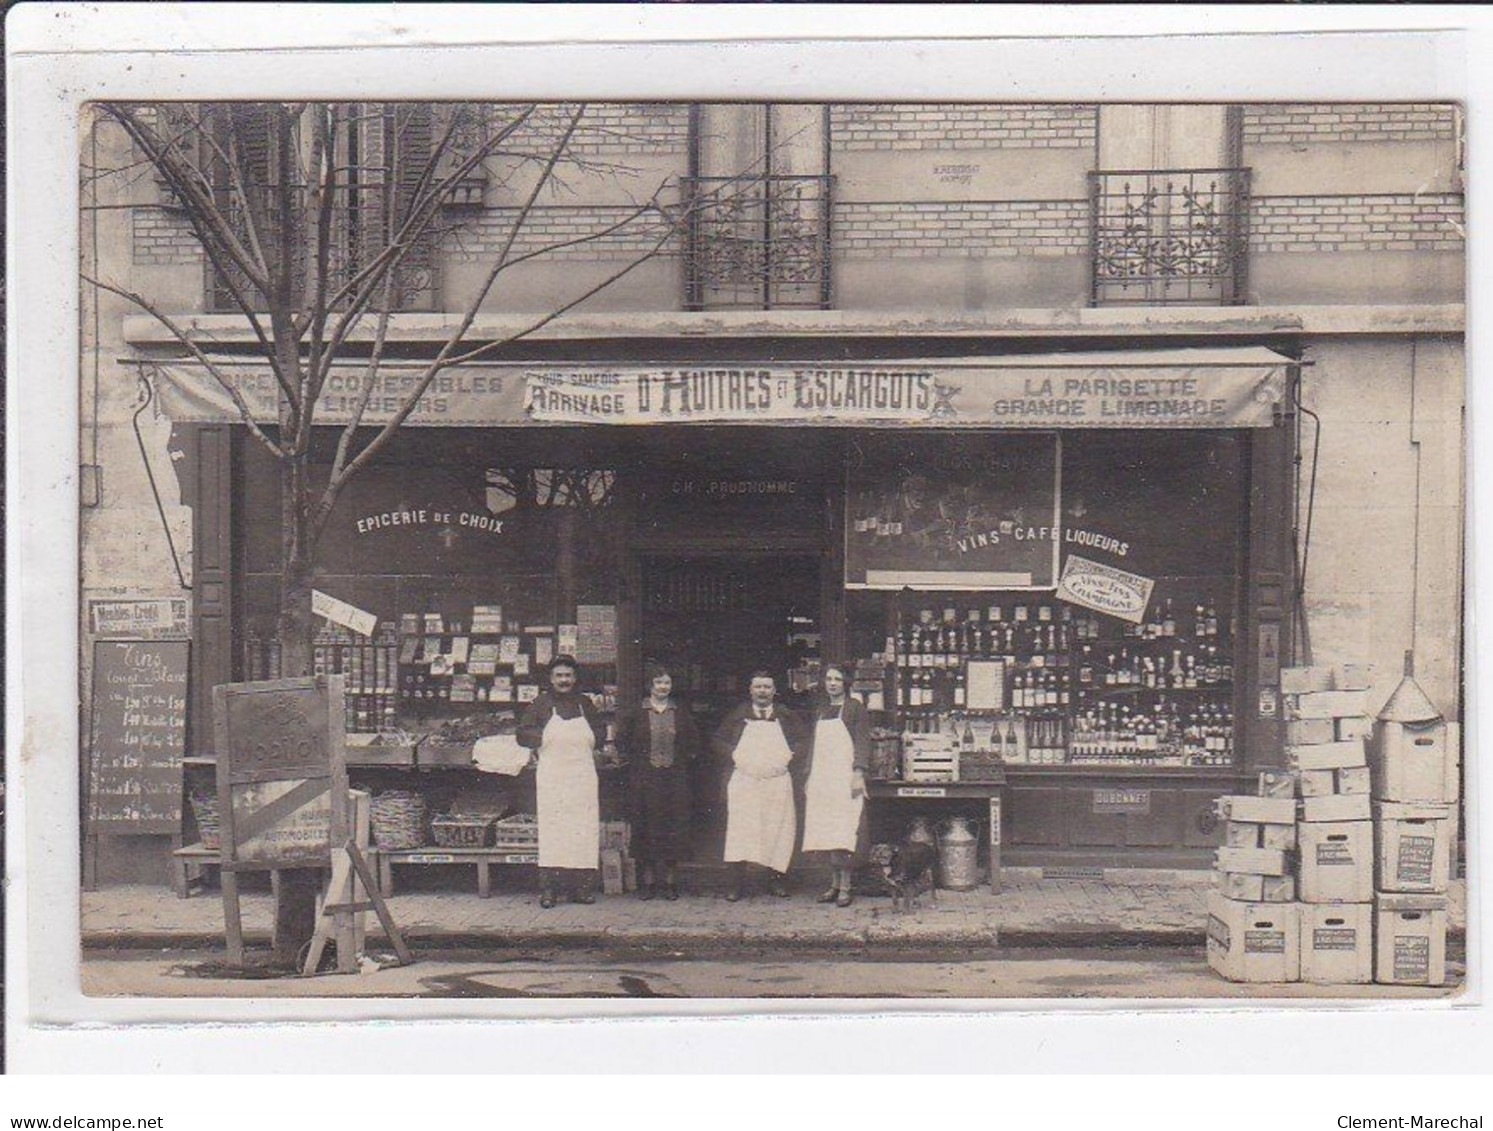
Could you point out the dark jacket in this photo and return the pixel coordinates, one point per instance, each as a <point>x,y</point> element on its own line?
<point>537,714</point>
<point>728,734</point>
<point>857,721</point>
<point>635,736</point>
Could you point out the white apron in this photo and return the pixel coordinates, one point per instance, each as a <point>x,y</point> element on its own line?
<point>569,807</point>
<point>761,821</point>
<point>831,816</point>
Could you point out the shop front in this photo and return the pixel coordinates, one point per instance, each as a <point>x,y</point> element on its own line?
<point>1062,579</point>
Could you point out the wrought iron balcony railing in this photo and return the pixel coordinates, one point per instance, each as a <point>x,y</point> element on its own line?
<point>759,243</point>
<point>1169,236</point>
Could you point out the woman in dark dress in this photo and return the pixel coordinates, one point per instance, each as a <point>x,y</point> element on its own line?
<point>659,739</point>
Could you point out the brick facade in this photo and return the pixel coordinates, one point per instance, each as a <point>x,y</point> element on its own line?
<point>1400,222</point>
<point>161,237</point>
<point>995,228</point>
<point>1311,123</point>
<point>888,126</point>
<point>613,128</point>
<point>485,235</point>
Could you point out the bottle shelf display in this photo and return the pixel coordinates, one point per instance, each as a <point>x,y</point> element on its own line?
<point>1039,682</point>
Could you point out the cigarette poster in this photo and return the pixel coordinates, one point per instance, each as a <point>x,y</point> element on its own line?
<point>596,634</point>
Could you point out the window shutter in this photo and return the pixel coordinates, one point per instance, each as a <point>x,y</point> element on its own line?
<point>410,143</point>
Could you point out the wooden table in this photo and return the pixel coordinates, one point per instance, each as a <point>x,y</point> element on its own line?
<point>991,793</point>
<point>484,858</point>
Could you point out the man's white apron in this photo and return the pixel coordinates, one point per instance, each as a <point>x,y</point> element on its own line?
<point>760,816</point>
<point>831,815</point>
<point>569,807</point>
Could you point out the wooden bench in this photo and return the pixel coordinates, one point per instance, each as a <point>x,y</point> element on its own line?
<point>484,858</point>
<point>189,867</point>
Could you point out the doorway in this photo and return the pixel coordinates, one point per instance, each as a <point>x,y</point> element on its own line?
<point>713,619</point>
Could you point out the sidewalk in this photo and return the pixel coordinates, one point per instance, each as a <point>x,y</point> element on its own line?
<point>1127,908</point>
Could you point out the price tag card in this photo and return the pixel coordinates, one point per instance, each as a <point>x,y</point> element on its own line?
<point>528,692</point>
<point>459,648</point>
<point>544,650</point>
<point>508,650</point>
<point>566,638</point>
<point>502,689</point>
<point>521,664</point>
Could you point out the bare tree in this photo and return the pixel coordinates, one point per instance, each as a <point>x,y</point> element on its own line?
<point>318,219</point>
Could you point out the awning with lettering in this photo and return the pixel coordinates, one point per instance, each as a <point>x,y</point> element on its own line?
<point>1181,388</point>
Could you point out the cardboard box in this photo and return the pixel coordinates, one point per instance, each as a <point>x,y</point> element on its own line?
<point>1337,943</point>
<point>1255,861</point>
<point>1410,762</point>
<point>611,871</point>
<point>1336,862</point>
<point>1324,705</point>
<point>1254,942</point>
<point>1413,847</point>
<point>1310,732</point>
<point>1352,677</point>
<point>1240,885</point>
<point>1354,727</point>
<point>1318,783</point>
<point>1410,939</point>
<point>1278,836</point>
<point>1278,889</point>
<point>1242,834</point>
<point>1336,807</point>
<point>1327,755</point>
<point>1300,681</point>
<point>1353,779</point>
<point>1277,783</point>
<point>1260,810</point>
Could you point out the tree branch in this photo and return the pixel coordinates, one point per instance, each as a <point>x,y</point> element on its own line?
<point>185,339</point>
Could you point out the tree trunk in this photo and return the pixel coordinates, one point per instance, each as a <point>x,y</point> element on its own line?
<point>295,903</point>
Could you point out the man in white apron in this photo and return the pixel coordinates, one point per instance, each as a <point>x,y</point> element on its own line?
<point>562,728</point>
<point>761,743</point>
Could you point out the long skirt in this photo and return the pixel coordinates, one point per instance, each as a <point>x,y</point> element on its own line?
<point>660,814</point>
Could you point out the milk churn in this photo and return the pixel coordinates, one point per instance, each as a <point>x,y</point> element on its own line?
<point>958,851</point>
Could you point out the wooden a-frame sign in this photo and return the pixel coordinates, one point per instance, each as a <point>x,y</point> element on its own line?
<point>283,803</point>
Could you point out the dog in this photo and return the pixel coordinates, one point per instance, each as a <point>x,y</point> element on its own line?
<point>908,871</point>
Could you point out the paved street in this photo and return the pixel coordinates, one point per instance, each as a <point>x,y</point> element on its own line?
<point>1142,973</point>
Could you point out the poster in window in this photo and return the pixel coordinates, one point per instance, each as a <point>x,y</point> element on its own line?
<point>961,511</point>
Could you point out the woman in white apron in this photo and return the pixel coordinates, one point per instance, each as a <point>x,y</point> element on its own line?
<point>562,729</point>
<point>835,796</point>
<point>760,740</point>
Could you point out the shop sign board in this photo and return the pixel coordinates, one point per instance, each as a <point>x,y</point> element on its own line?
<point>1185,388</point>
<point>1122,800</point>
<point>139,732</point>
<point>953,512</point>
<point>139,618</point>
<point>1105,589</point>
<point>340,612</point>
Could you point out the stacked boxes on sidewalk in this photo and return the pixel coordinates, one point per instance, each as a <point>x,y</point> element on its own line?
<point>1326,747</point>
<point>1414,789</point>
<point>1320,816</point>
<point>1337,872</point>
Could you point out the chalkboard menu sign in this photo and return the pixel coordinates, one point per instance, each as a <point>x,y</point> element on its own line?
<point>139,736</point>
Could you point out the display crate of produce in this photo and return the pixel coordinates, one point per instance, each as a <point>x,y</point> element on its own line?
<point>518,831</point>
<point>380,750</point>
<point>980,767</point>
<point>439,752</point>
<point>452,831</point>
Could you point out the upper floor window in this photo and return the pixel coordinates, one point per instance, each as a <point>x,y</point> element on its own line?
<point>257,157</point>
<point>1169,207</point>
<point>759,231</point>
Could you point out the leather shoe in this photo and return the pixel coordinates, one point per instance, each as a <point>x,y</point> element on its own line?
<point>584,897</point>
<point>733,893</point>
<point>828,896</point>
<point>547,900</point>
<point>845,899</point>
<point>645,892</point>
<point>671,892</point>
<point>779,889</point>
